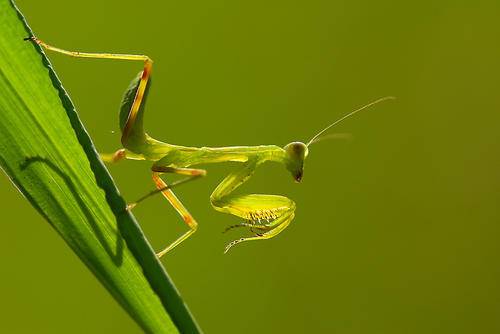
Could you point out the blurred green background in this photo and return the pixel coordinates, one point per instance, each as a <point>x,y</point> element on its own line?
<point>396,230</point>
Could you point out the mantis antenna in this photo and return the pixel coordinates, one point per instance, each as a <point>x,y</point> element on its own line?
<point>316,137</point>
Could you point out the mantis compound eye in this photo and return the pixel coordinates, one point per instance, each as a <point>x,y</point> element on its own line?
<point>297,150</point>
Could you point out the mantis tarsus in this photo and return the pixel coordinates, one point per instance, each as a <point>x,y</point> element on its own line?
<point>265,215</point>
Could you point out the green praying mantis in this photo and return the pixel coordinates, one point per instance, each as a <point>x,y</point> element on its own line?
<point>265,215</point>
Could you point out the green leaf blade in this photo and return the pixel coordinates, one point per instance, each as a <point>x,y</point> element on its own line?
<point>48,155</point>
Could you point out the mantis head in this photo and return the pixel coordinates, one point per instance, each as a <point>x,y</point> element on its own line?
<point>296,152</point>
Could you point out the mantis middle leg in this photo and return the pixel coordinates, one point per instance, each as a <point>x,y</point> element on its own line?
<point>174,201</point>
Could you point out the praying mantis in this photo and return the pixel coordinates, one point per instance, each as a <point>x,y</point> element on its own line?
<point>265,215</point>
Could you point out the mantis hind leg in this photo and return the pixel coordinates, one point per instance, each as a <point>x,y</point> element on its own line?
<point>268,213</point>
<point>131,133</point>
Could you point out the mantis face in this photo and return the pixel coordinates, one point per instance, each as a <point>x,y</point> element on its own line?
<point>296,153</point>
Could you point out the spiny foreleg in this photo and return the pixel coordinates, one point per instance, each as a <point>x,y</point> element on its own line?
<point>280,225</point>
<point>271,214</point>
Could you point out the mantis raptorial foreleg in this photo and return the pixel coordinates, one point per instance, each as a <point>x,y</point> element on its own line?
<point>281,224</point>
<point>271,213</point>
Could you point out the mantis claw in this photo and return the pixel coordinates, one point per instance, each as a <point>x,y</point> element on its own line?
<point>232,243</point>
<point>130,206</point>
<point>256,233</point>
